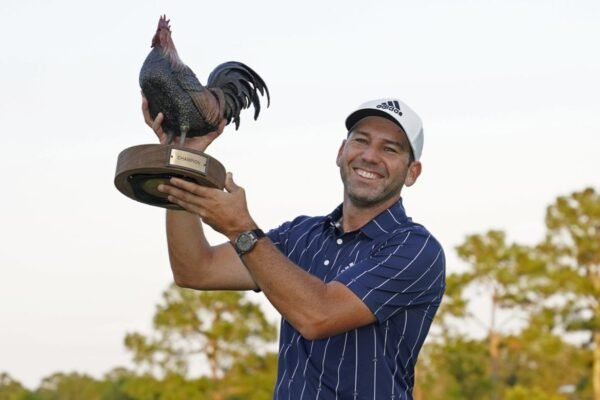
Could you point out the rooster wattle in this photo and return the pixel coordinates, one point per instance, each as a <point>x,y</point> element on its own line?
<point>189,108</point>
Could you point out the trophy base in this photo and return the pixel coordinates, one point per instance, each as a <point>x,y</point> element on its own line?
<point>140,169</point>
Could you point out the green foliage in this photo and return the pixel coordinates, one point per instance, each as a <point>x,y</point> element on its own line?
<point>223,329</point>
<point>526,393</point>
<point>11,389</point>
<point>216,327</point>
<point>505,270</point>
<point>455,369</point>
<point>251,378</point>
<point>73,386</point>
<point>536,357</point>
<point>171,387</point>
<point>572,248</point>
<point>555,285</point>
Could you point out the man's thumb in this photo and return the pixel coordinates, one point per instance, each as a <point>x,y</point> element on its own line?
<point>230,185</point>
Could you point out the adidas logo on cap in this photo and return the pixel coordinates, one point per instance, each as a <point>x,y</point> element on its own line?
<point>391,105</point>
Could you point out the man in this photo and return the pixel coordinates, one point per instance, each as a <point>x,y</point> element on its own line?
<point>357,289</point>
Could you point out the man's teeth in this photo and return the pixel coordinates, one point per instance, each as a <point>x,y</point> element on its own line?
<point>366,174</point>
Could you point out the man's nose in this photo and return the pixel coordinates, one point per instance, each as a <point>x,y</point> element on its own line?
<point>370,154</point>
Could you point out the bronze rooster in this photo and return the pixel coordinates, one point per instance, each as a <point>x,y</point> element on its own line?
<point>189,108</point>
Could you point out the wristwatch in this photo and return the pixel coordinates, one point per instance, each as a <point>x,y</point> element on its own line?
<point>246,241</point>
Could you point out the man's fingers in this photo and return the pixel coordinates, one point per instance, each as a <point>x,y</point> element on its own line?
<point>146,111</point>
<point>156,124</point>
<point>185,190</point>
<point>186,196</point>
<point>230,185</point>
<point>192,208</point>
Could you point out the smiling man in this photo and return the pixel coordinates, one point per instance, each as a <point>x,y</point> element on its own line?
<point>357,289</point>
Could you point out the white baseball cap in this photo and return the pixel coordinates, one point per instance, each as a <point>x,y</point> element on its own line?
<point>396,111</point>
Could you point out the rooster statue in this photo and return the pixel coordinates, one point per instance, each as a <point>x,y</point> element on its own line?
<point>189,108</point>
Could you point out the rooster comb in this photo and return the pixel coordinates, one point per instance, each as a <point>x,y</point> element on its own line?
<point>163,23</point>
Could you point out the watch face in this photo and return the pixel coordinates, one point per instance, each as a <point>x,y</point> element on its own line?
<point>245,242</point>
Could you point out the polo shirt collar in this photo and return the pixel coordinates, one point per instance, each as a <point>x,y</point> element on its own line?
<point>385,222</point>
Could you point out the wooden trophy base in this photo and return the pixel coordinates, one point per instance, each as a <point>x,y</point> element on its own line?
<point>140,169</point>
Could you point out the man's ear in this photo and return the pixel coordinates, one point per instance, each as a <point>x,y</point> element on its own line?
<point>414,170</point>
<point>339,155</point>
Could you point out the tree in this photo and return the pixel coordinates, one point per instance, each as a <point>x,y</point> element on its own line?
<point>529,393</point>
<point>72,386</point>
<point>10,389</point>
<point>215,328</point>
<point>540,358</point>
<point>455,368</point>
<point>251,378</point>
<point>572,247</point>
<point>126,385</point>
<point>516,279</point>
<point>535,363</point>
<point>504,270</point>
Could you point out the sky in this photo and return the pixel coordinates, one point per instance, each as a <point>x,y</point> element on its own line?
<point>508,92</point>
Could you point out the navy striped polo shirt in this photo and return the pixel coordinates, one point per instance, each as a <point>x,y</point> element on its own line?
<point>397,268</point>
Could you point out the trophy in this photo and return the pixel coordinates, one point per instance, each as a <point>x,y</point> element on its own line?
<point>190,109</point>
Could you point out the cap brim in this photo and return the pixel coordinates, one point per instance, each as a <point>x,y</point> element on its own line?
<point>369,112</point>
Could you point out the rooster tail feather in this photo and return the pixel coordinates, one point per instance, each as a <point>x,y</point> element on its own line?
<point>240,86</point>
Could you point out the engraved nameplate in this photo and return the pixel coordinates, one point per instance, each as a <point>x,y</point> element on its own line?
<point>185,159</point>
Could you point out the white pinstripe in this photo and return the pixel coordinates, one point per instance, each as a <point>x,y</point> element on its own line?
<point>332,265</point>
<point>355,363</point>
<point>376,265</point>
<point>439,275</point>
<point>399,272</point>
<point>387,328</point>
<point>419,295</point>
<point>287,348</point>
<point>380,227</point>
<point>308,246</point>
<point>340,365</point>
<point>393,216</point>
<point>374,363</point>
<point>301,236</point>
<point>322,369</point>
<point>312,343</point>
<point>398,350</point>
<point>312,261</point>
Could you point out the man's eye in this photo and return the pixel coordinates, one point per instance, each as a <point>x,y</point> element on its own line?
<point>391,150</point>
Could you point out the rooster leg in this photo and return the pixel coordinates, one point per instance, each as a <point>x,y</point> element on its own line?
<point>184,131</point>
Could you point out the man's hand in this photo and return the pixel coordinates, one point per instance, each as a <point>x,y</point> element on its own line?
<point>199,143</point>
<point>225,211</point>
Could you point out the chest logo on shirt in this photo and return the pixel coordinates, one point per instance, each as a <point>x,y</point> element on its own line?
<point>347,267</point>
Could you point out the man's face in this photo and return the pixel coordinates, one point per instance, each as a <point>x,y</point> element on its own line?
<point>374,163</point>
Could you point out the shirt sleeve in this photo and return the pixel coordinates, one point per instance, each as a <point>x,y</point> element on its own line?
<point>407,270</point>
<point>280,236</point>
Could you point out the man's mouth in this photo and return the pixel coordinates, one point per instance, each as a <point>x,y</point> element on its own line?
<point>366,174</point>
